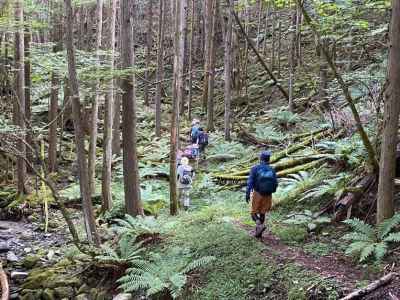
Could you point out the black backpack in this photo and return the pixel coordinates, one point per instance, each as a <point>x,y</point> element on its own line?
<point>186,177</point>
<point>266,182</point>
<point>203,138</point>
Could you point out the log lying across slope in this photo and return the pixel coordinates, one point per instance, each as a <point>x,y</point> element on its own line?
<point>284,168</point>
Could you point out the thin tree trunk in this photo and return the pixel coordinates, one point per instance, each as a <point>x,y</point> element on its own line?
<point>88,214</point>
<point>160,65</point>
<point>387,171</point>
<point>279,48</point>
<point>133,202</point>
<point>149,45</point>
<point>266,30</point>
<point>227,76</point>
<point>108,121</point>
<point>95,105</point>
<point>192,34</point>
<point>299,60</point>
<point>260,12</point>
<point>19,106</point>
<point>273,41</point>
<point>175,114</point>
<point>28,84</point>
<point>211,77</point>
<point>53,111</point>
<point>207,49</point>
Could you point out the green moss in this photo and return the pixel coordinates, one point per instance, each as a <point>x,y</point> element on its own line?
<point>31,261</point>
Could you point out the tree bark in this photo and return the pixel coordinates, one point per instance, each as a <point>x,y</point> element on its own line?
<point>228,76</point>
<point>133,202</point>
<point>95,105</point>
<point>207,49</point>
<point>88,213</point>
<point>211,76</point>
<point>149,45</point>
<point>160,65</point>
<point>28,85</point>
<point>192,34</point>
<point>19,106</point>
<point>53,111</point>
<point>387,171</point>
<point>108,121</point>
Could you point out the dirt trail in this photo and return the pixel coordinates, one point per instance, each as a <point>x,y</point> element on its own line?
<point>334,266</point>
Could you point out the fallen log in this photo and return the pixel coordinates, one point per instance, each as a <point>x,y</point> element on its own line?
<point>283,173</point>
<point>280,154</point>
<point>221,157</point>
<point>5,290</point>
<point>371,287</point>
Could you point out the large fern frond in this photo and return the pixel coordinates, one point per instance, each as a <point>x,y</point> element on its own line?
<point>357,236</point>
<point>387,226</point>
<point>356,247</point>
<point>198,263</point>
<point>366,252</point>
<point>393,237</point>
<point>361,227</point>
<point>380,250</point>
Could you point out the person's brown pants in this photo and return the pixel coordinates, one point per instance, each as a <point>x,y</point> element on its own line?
<point>260,204</point>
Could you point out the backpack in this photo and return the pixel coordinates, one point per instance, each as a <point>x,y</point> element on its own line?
<point>266,182</point>
<point>203,138</point>
<point>186,178</point>
<point>194,133</point>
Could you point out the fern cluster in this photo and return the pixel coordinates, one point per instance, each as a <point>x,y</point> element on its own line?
<point>368,241</point>
<point>162,275</point>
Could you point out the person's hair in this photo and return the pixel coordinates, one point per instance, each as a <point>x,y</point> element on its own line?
<point>201,129</point>
<point>184,161</point>
<point>265,156</point>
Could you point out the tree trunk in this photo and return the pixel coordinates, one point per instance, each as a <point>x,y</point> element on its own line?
<point>207,49</point>
<point>279,48</point>
<point>133,202</point>
<point>387,170</point>
<point>53,111</point>
<point>88,214</point>
<point>160,65</point>
<point>149,45</point>
<point>192,34</point>
<point>95,105</point>
<point>28,84</point>
<point>260,12</point>
<point>273,41</point>
<point>211,76</point>
<point>227,76</point>
<point>266,30</point>
<point>179,6</point>
<point>108,121</point>
<point>19,107</point>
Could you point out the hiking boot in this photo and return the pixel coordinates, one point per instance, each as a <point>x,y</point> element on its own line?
<point>260,229</point>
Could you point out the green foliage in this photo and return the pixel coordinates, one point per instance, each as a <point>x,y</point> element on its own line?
<point>166,273</point>
<point>330,187</point>
<point>284,118</point>
<point>367,241</point>
<point>307,219</point>
<point>269,132</point>
<point>138,226</point>
<point>290,234</point>
<point>128,253</point>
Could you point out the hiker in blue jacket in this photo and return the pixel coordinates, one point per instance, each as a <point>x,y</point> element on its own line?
<point>261,184</point>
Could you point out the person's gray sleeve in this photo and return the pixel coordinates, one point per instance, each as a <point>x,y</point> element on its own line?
<point>179,172</point>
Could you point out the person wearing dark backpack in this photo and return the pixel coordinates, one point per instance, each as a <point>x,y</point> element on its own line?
<point>194,131</point>
<point>202,140</point>
<point>261,184</point>
<point>185,176</point>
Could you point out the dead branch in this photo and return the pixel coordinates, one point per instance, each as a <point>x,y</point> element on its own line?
<point>371,287</point>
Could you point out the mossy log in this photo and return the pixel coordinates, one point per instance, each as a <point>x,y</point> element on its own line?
<point>283,173</point>
<point>276,156</point>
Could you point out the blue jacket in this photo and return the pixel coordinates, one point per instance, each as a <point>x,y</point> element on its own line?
<point>253,177</point>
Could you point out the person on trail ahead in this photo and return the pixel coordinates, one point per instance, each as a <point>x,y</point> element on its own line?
<point>202,140</point>
<point>262,183</point>
<point>185,175</point>
<point>194,130</point>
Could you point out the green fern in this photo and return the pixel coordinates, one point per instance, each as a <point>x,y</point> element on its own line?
<point>367,241</point>
<point>167,274</point>
<point>128,253</point>
<point>138,226</point>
